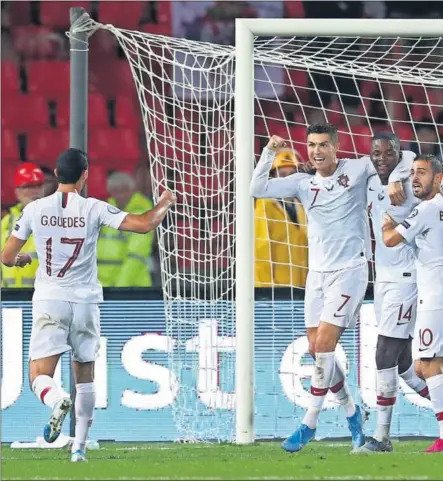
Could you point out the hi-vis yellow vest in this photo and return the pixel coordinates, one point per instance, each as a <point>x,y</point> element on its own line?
<point>123,257</point>
<point>16,276</point>
<point>281,252</point>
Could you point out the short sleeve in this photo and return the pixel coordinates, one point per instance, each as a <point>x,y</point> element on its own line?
<point>23,227</point>
<point>415,224</point>
<point>110,215</point>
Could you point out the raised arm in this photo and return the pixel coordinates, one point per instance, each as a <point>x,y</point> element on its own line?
<point>262,187</point>
<point>151,219</point>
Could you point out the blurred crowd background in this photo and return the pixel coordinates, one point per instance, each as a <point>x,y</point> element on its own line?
<point>35,120</point>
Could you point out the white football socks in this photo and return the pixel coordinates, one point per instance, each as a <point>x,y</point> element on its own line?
<point>414,382</point>
<point>387,388</point>
<point>435,386</point>
<point>46,390</point>
<point>84,414</point>
<point>321,380</point>
<point>341,391</point>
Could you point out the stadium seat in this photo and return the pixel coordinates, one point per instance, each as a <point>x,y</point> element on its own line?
<point>156,28</point>
<point>164,15</point>
<point>44,146</point>
<point>56,14</point>
<point>8,169</point>
<point>97,111</point>
<point>22,112</point>
<point>294,9</point>
<point>121,14</point>
<point>10,78</point>
<point>19,13</point>
<point>190,247</point>
<point>97,181</point>
<point>404,132</point>
<point>49,78</point>
<point>114,148</point>
<point>10,147</point>
<point>127,112</point>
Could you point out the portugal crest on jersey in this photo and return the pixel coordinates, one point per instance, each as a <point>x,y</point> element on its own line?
<point>343,180</point>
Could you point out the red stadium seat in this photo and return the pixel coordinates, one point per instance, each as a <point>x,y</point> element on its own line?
<point>97,111</point>
<point>121,14</point>
<point>19,13</point>
<point>44,146</point>
<point>8,169</point>
<point>294,9</point>
<point>164,15</point>
<point>10,147</point>
<point>114,148</point>
<point>49,78</point>
<point>97,181</point>
<point>24,112</point>
<point>192,251</point>
<point>10,78</point>
<point>157,29</point>
<point>56,14</point>
<point>127,112</point>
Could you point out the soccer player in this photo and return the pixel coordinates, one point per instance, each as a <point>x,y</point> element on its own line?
<point>423,229</point>
<point>395,290</point>
<point>67,293</point>
<point>335,200</point>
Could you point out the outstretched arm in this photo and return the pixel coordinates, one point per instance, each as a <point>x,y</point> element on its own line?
<point>151,219</point>
<point>262,187</point>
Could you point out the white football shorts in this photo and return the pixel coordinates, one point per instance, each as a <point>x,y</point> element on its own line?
<point>59,326</point>
<point>428,335</point>
<point>335,297</point>
<point>395,307</point>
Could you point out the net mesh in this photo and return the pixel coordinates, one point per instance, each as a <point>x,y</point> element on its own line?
<point>186,95</point>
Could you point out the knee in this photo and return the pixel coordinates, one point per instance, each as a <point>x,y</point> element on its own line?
<point>324,344</point>
<point>418,366</point>
<point>312,349</point>
<point>387,352</point>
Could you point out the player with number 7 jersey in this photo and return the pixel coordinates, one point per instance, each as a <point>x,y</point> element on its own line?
<point>334,196</point>
<point>67,292</point>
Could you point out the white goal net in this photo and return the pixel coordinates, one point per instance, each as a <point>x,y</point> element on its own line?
<point>186,95</point>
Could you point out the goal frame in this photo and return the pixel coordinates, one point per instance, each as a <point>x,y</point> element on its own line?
<point>245,30</point>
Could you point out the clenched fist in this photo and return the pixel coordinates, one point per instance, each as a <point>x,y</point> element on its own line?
<point>23,260</point>
<point>275,143</point>
<point>168,197</point>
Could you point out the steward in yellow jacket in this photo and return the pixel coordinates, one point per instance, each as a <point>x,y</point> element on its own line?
<point>28,182</point>
<point>123,257</point>
<point>281,244</point>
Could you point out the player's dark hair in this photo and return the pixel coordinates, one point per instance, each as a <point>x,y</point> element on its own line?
<point>324,128</point>
<point>436,165</point>
<point>70,165</point>
<point>389,136</point>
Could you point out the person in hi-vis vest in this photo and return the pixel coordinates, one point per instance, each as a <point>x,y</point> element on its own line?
<point>28,182</point>
<point>124,258</point>
<point>281,245</point>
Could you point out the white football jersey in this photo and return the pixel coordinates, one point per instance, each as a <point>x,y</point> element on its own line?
<point>336,208</point>
<point>392,264</point>
<point>424,229</point>
<point>66,227</point>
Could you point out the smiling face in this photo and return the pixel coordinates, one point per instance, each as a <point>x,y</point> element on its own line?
<point>425,182</point>
<point>385,156</point>
<point>322,153</point>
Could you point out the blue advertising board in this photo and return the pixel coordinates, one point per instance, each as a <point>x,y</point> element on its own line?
<point>166,372</point>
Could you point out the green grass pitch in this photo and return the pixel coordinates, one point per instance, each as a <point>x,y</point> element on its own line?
<point>319,460</point>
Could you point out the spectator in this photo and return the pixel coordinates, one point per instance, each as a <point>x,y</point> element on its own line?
<point>50,184</point>
<point>28,182</point>
<point>427,140</point>
<point>123,257</point>
<point>143,181</point>
<point>281,253</point>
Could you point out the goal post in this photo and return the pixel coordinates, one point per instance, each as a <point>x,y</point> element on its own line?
<point>245,31</point>
<point>203,131</point>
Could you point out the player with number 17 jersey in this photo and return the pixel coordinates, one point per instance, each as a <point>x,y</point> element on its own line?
<point>66,227</point>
